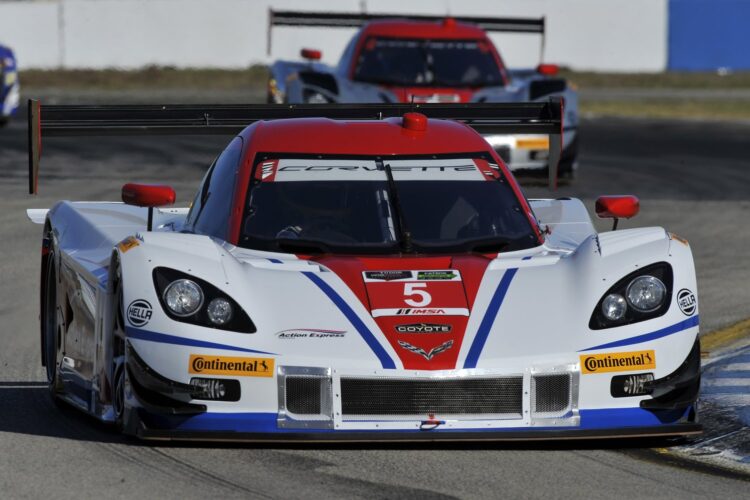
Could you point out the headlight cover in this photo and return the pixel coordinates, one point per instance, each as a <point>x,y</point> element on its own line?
<point>647,293</point>
<point>183,297</point>
<point>173,285</point>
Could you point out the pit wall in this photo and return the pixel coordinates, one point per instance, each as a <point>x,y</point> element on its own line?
<point>585,35</point>
<point>612,35</point>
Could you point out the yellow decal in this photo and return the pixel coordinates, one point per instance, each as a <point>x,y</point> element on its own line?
<point>618,362</point>
<point>536,143</point>
<point>128,243</point>
<point>204,364</point>
<point>673,236</point>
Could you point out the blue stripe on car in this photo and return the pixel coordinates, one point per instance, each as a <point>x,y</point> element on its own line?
<point>594,419</point>
<point>489,319</point>
<point>163,338</point>
<point>664,332</point>
<point>358,324</point>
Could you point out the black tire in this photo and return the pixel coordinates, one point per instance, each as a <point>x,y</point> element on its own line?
<point>118,354</point>
<point>52,329</point>
<point>566,170</point>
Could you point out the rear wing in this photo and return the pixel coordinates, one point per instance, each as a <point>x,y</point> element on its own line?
<point>72,120</point>
<point>356,20</point>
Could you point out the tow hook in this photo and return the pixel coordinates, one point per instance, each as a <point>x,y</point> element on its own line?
<point>430,424</point>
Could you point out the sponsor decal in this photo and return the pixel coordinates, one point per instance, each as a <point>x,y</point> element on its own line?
<point>421,311</point>
<point>310,333</point>
<point>424,328</point>
<point>426,354</point>
<point>127,244</point>
<point>139,312</point>
<point>533,143</point>
<point>224,365</point>
<point>687,302</point>
<point>436,275</point>
<point>618,362</point>
<point>267,170</point>
<point>674,237</point>
<point>388,275</point>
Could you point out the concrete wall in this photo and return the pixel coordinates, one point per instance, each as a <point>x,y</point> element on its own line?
<point>709,34</point>
<point>611,35</point>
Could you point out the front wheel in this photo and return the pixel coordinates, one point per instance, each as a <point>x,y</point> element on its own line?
<point>118,354</point>
<point>52,325</point>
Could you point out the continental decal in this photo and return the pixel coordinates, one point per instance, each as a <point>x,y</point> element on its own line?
<point>223,365</point>
<point>127,244</point>
<point>618,362</point>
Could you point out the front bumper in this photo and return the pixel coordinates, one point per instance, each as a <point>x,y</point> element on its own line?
<point>595,424</point>
<point>162,409</point>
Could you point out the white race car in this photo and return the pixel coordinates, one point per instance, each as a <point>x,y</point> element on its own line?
<point>378,279</point>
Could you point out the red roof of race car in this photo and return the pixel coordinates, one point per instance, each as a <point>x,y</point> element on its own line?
<point>376,137</point>
<point>324,136</point>
<point>448,29</point>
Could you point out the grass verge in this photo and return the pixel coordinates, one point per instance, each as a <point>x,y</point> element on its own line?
<point>666,80</point>
<point>255,78</point>
<point>709,109</point>
<point>146,78</point>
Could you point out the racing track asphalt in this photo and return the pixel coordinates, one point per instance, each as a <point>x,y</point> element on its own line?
<point>692,178</point>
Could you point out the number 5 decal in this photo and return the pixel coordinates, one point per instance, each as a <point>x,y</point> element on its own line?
<point>412,289</point>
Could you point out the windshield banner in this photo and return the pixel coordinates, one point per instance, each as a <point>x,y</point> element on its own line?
<point>297,170</point>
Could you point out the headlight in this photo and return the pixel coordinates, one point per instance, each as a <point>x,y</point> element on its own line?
<point>183,297</point>
<point>641,295</point>
<point>189,299</point>
<point>614,307</point>
<point>219,311</point>
<point>646,293</point>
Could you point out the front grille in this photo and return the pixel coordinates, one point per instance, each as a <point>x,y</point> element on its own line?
<point>550,394</point>
<point>304,394</point>
<point>409,397</point>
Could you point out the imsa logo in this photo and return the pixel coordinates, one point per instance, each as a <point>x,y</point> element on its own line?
<point>139,312</point>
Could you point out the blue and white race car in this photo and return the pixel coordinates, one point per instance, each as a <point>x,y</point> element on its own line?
<point>9,87</point>
<point>372,273</point>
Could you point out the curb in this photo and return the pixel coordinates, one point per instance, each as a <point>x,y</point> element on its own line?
<point>724,407</point>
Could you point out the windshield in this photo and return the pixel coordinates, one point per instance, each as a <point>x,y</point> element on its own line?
<point>435,63</point>
<point>368,206</point>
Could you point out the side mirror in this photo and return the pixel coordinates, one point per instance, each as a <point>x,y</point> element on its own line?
<point>548,69</point>
<point>617,207</point>
<point>311,54</point>
<point>148,195</point>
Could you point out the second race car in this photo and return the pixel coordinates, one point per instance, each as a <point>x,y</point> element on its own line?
<point>422,59</point>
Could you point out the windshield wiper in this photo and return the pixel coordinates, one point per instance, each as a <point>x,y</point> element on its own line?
<point>302,245</point>
<point>406,243</point>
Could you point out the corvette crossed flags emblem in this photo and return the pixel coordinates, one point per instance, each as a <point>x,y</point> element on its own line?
<point>427,355</point>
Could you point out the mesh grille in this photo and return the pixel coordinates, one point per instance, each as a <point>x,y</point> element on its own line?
<point>374,396</point>
<point>303,394</point>
<point>551,393</point>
